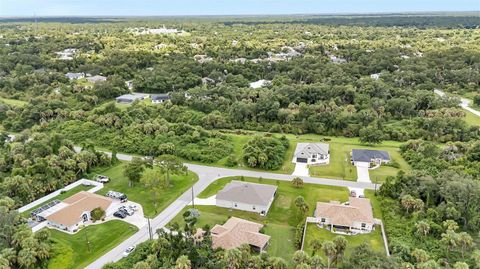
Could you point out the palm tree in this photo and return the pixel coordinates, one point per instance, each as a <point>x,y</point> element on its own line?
<point>316,245</point>
<point>340,246</point>
<point>423,228</point>
<point>300,257</point>
<point>316,262</point>
<point>278,263</point>
<point>26,258</point>
<point>297,182</point>
<point>465,241</point>
<point>450,239</point>
<point>183,263</point>
<point>330,251</point>
<point>420,255</point>
<point>233,258</point>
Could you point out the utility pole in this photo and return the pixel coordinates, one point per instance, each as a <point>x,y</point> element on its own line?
<point>149,229</point>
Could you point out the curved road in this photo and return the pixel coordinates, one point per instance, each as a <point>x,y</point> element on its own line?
<point>464,103</point>
<point>206,175</point>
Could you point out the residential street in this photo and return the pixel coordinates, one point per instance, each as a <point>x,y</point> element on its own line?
<point>464,103</point>
<point>206,175</point>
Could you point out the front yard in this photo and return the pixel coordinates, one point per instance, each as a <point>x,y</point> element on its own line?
<point>283,217</point>
<point>140,194</point>
<point>72,251</point>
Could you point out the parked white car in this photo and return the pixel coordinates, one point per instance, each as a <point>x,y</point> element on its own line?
<point>102,179</point>
<point>128,251</point>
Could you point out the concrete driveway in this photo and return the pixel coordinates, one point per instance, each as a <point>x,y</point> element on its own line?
<point>362,174</point>
<point>136,219</point>
<point>301,169</point>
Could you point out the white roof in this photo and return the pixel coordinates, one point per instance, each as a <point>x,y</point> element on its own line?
<point>259,83</point>
<point>305,150</point>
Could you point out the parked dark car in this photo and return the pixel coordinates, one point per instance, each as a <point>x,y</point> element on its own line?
<point>120,214</point>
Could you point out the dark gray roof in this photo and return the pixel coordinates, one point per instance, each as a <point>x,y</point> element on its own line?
<point>246,192</point>
<point>160,97</point>
<point>367,155</point>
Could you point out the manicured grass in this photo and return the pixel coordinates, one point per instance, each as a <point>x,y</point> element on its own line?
<point>340,166</point>
<point>140,194</point>
<point>72,252</point>
<point>13,102</point>
<point>374,239</point>
<point>60,197</point>
<point>282,217</point>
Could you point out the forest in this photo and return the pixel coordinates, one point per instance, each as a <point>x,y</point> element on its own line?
<point>366,77</point>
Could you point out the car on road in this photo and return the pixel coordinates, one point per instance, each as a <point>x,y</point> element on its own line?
<point>120,214</point>
<point>128,251</point>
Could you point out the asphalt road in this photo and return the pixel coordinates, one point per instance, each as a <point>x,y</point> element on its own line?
<point>206,175</point>
<point>464,103</point>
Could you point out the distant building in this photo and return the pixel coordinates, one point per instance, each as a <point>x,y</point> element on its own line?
<point>236,232</point>
<point>312,153</point>
<point>129,84</point>
<point>74,211</point>
<point>337,60</point>
<point>96,79</point>
<point>73,76</point>
<point>375,76</point>
<point>202,58</point>
<point>66,54</point>
<point>356,216</point>
<point>159,98</point>
<point>130,98</point>
<point>246,196</point>
<point>363,157</point>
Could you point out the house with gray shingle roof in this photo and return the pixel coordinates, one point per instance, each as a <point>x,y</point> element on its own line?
<point>246,196</point>
<point>364,157</point>
<point>312,153</point>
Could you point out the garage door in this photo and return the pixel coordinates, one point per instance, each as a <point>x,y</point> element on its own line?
<point>301,160</point>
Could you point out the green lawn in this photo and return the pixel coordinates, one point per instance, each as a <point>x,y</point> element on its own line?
<point>472,119</point>
<point>13,102</point>
<point>374,239</point>
<point>340,166</point>
<point>138,193</point>
<point>60,197</point>
<point>72,252</point>
<point>282,218</point>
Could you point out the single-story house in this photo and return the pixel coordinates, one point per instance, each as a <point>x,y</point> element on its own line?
<point>312,153</point>
<point>363,157</point>
<point>130,98</point>
<point>72,76</point>
<point>76,210</point>
<point>356,216</point>
<point>159,98</point>
<point>236,232</point>
<point>96,79</point>
<point>246,196</point>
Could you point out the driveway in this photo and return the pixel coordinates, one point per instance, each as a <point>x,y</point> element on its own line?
<point>136,219</point>
<point>363,175</point>
<point>205,201</point>
<point>301,169</point>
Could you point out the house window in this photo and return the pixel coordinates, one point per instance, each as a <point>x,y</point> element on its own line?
<point>322,220</point>
<point>235,204</point>
<point>253,207</point>
<point>364,225</point>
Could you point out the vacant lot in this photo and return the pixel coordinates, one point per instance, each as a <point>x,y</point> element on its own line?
<point>72,251</point>
<point>140,194</point>
<point>283,216</point>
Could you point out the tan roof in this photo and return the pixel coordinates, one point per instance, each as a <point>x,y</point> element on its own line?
<point>359,210</point>
<point>247,192</point>
<point>236,232</point>
<point>76,205</point>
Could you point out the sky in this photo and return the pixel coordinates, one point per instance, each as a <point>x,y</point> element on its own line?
<point>28,8</point>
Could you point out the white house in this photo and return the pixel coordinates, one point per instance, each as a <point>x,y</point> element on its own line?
<point>354,217</point>
<point>375,76</point>
<point>159,98</point>
<point>312,153</point>
<point>364,157</point>
<point>260,83</point>
<point>246,196</point>
<point>72,76</point>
